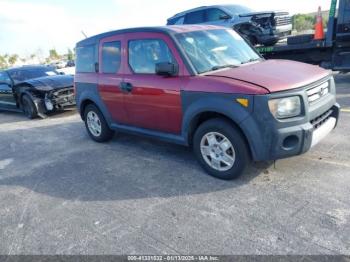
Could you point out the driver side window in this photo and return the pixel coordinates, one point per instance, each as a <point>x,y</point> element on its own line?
<point>4,78</point>
<point>146,53</point>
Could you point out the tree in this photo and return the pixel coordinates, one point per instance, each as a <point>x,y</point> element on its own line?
<point>302,22</point>
<point>13,59</point>
<point>53,54</point>
<point>3,62</point>
<point>70,55</point>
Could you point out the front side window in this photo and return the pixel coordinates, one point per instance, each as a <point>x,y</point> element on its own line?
<point>85,59</point>
<point>111,57</point>
<point>4,78</point>
<point>196,17</point>
<point>213,49</point>
<point>215,14</point>
<point>145,54</point>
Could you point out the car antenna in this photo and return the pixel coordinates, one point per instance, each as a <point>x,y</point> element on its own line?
<point>84,34</point>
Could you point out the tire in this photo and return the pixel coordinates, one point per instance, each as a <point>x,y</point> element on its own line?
<point>28,107</point>
<point>237,149</point>
<point>96,125</point>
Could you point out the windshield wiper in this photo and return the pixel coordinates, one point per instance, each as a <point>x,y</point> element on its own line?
<point>251,60</point>
<point>214,68</point>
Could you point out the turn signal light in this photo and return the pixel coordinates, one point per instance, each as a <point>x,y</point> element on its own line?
<point>243,101</point>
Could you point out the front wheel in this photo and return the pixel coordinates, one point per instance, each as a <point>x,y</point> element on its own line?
<point>96,125</point>
<point>28,107</point>
<point>221,149</point>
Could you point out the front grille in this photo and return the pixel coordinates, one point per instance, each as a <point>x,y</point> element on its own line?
<point>320,120</point>
<point>64,92</point>
<point>317,92</point>
<point>63,96</point>
<point>283,20</point>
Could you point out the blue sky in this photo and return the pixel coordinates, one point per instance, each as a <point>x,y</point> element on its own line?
<point>34,26</point>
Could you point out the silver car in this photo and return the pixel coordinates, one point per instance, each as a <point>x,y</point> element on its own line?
<point>265,28</point>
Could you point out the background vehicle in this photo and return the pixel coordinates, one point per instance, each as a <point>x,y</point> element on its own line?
<point>202,86</point>
<point>35,90</point>
<point>264,28</point>
<point>333,52</point>
<point>70,63</point>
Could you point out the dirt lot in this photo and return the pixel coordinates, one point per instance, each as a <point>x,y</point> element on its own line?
<point>61,193</point>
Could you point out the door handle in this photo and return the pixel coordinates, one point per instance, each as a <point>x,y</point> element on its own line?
<point>126,87</point>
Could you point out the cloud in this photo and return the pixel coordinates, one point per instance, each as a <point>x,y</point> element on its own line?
<point>26,26</point>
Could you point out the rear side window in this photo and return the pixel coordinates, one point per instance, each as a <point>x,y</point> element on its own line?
<point>111,57</point>
<point>176,21</point>
<point>196,17</point>
<point>145,54</point>
<point>85,59</point>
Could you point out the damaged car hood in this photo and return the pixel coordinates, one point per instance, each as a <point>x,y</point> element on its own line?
<point>275,75</point>
<point>49,83</point>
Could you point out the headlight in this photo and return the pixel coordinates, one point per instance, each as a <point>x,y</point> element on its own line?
<point>48,104</point>
<point>285,107</point>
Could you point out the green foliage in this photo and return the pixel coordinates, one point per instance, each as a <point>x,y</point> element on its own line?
<point>53,54</point>
<point>13,59</point>
<point>70,54</point>
<point>302,22</point>
<point>3,62</point>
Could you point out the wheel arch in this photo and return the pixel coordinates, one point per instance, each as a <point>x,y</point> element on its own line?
<point>83,106</point>
<point>204,116</point>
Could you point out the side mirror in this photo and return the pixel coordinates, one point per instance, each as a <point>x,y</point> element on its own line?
<point>167,69</point>
<point>225,17</point>
<point>61,73</point>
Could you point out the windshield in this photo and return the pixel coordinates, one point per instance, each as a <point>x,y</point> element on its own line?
<point>214,49</point>
<point>238,9</point>
<point>21,75</point>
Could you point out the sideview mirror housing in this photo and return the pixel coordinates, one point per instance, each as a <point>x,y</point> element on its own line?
<point>167,69</point>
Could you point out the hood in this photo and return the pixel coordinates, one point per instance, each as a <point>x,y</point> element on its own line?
<point>49,83</point>
<point>275,75</point>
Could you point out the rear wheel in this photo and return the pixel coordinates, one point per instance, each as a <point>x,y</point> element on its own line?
<point>221,149</point>
<point>28,107</point>
<point>96,125</point>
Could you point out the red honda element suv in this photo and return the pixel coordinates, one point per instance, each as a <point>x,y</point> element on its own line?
<point>205,87</point>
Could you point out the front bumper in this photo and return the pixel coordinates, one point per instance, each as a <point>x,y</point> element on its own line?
<point>283,30</point>
<point>272,139</point>
<point>299,139</point>
<point>62,98</point>
<point>56,100</point>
